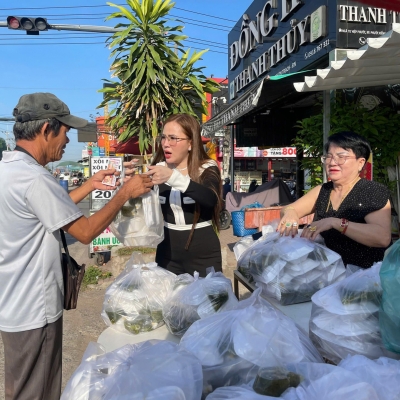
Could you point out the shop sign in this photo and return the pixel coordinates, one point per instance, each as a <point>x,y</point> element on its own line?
<point>357,22</point>
<point>265,153</point>
<point>279,152</point>
<point>104,241</point>
<point>300,26</point>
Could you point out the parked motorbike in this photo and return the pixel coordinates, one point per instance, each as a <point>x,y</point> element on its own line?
<point>225,218</point>
<point>78,181</point>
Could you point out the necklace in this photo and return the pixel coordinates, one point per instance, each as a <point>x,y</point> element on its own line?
<point>343,197</point>
<point>181,169</point>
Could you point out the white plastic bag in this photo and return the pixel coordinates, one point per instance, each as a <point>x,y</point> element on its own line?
<point>328,382</point>
<point>195,298</point>
<point>233,344</point>
<point>148,370</point>
<point>243,244</point>
<point>140,221</point>
<point>134,301</point>
<point>289,269</point>
<point>383,374</point>
<point>243,392</point>
<point>344,317</point>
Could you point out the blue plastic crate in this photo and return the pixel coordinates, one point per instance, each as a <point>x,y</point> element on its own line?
<point>238,225</point>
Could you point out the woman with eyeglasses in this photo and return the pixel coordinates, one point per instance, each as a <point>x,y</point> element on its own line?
<point>353,215</point>
<point>189,184</point>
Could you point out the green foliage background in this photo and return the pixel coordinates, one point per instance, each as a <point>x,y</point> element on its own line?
<point>154,75</point>
<point>379,126</point>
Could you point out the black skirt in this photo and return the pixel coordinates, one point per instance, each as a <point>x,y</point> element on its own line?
<point>204,251</point>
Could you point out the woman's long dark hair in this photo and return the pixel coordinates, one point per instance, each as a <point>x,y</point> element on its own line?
<point>196,159</point>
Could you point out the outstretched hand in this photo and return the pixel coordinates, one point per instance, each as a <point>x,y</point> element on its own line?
<point>159,174</point>
<point>138,185</point>
<point>97,179</point>
<point>129,169</point>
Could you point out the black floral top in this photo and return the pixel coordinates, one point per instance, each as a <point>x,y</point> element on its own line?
<point>365,197</point>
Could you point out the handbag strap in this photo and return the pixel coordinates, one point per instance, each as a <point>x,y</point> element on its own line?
<point>71,267</point>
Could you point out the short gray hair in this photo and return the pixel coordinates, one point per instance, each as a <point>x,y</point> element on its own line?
<point>30,129</point>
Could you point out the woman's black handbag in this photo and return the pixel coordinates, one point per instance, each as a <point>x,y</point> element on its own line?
<point>73,274</point>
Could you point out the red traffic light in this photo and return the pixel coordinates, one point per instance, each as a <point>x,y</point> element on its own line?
<point>13,23</point>
<point>31,25</point>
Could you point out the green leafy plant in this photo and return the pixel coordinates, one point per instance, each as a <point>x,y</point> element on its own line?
<point>93,275</point>
<point>379,126</point>
<point>152,81</point>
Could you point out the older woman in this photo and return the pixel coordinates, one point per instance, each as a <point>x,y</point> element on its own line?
<point>190,195</point>
<point>351,214</point>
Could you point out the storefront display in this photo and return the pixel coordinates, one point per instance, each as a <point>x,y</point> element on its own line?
<point>262,165</point>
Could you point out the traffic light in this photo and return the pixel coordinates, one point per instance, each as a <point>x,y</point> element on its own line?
<point>31,25</point>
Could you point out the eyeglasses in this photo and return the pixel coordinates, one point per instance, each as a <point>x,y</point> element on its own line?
<point>172,140</point>
<point>339,159</point>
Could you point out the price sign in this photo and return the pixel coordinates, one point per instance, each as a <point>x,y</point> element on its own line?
<point>97,164</point>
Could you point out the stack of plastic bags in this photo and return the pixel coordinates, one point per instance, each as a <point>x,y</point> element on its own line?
<point>231,346</point>
<point>193,298</point>
<point>134,302</point>
<point>150,370</point>
<point>140,221</point>
<point>356,378</point>
<point>344,317</point>
<point>289,269</point>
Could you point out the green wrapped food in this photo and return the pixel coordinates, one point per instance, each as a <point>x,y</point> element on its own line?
<point>156,316</point>
<point>114,316</point>
<point>218,300</point>
<point>352,297</point>
<point>180,318</point>
<point>131,207</point>
<point>274,381</point>
<point>288,298</point>
<point>139,324</point>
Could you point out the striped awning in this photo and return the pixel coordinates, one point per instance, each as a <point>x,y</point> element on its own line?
<point>375,64</point>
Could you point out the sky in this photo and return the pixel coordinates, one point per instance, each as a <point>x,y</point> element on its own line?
<point>72,64</point>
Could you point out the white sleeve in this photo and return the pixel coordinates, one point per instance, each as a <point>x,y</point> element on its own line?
<point>51,203</point>
<point>179,181</point>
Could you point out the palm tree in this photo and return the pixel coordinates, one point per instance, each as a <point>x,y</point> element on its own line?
<point>152,80</point>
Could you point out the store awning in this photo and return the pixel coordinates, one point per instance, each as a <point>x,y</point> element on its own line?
<point>264,93</point>
<point>375,64</point>
<point>242,106</point>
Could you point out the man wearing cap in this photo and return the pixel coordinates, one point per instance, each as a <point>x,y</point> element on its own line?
<point>34,209</point>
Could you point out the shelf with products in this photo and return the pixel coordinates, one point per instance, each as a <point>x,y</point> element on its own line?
<point>244,178</point>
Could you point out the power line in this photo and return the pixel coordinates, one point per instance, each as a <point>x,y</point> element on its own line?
<point>101,6</point>
<point>207,15</point>
<point>88,35</point>
<point>85,43</point>
<point>92,16</point>
<point>197,42</point>
<point>206,43</point>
